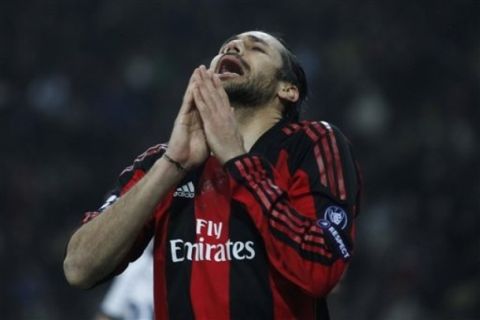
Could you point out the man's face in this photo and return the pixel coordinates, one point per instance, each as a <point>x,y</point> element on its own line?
<point>248,65</point>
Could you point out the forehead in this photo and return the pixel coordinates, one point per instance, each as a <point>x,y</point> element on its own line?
<point>259,37</point>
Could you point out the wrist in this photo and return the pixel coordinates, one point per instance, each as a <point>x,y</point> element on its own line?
<point>178,166</point>
<point>165,169</point>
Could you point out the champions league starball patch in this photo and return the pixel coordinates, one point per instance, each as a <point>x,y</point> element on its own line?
<point>337,216</point>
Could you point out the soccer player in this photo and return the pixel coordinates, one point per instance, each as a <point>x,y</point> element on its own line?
<point>252,211</point>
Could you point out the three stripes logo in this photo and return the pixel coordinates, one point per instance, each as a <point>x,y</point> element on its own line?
<point>185,191</point>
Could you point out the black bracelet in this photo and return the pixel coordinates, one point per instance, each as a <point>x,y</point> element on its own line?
<point>176,163</point>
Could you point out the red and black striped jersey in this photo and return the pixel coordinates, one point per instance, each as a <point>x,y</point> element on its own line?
<point>265,236</point>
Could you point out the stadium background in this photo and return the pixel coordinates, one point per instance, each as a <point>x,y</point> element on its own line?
<point>87,85</point>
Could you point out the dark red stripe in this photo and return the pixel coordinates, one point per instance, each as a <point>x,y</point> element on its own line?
<point>299,240</point>
<point>289,229</point>
<point>312,232</point>
<point>257,175</point>
<point>328,157</point>
<point>275,192</point>
<point>338,163</point>
<point>295,126</point>
<point>291,213</point>
<point>315,137</point>
<point>314,239</point>
<point>282,211</point>
<point>301,221</point>
<point>264,201</point>
<point>288,222</point>
<point>287,131</point>
<point>320,164</point>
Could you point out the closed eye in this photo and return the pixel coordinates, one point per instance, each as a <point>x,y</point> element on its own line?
<point>259,49</point>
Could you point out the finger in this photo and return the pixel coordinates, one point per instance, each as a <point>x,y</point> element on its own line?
<point>187,102</point>
<point>202,73</point>
<point>208,91</point>
<point>199,101</point>
<point>220,89</point>
<point>207,77</point>
<point>203,111</point>
<point>197,122</point>
<point>217,82</point>
<point>204,105</point>
<point>215,90</point>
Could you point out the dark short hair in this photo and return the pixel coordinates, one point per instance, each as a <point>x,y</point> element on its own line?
<point>292,72</point>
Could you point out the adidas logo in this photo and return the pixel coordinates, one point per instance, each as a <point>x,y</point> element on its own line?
<point>185,191</point>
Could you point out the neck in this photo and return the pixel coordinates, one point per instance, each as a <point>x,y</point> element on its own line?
<point>253,122</point>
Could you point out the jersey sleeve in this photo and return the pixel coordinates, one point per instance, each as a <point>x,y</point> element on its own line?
<point>306,217</point>
<point>126,180</point>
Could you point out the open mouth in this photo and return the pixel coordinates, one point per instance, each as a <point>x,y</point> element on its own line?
<point>230,66</point>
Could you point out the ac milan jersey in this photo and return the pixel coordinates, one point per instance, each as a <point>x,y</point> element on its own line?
<point>265,236</point>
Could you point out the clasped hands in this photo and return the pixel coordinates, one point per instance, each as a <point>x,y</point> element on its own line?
<point>205,122</point>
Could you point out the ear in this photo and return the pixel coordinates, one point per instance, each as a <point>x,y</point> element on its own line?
<point>288,91</point>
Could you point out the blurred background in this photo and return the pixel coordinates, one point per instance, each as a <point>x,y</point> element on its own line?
<point>85,86</point>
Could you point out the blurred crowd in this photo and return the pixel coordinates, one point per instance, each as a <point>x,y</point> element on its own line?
<point>85,86</point>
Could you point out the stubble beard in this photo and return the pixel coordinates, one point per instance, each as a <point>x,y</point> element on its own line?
<point>251,93</point>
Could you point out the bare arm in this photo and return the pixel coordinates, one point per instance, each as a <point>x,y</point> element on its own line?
<point>117,228</point>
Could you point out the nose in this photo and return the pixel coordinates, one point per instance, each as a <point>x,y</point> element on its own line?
<point>234,46</point>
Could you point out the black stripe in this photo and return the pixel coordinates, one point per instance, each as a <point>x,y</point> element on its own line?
<point>250,188</point>
<point>308,255</point>
<point>280,198</point>
<point>266,211</point>
<point>332,154</point>
<point>294,212</point>
<point>310,167</point>
<point>322,310</point>
<point>181,225</point>
<point>270,216</point>
<point>283,211</point>
<point>301,234</point>
<point>308,233</point>
<point>250,292</point>
<point>280,235</point>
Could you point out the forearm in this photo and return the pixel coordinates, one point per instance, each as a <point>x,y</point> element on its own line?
<point>96,249</point>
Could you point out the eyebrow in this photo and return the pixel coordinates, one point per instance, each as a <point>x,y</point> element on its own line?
<point>258,40</point>
<point>250,37</point>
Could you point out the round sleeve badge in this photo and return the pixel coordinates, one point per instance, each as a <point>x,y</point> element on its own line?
<point>337,216</point>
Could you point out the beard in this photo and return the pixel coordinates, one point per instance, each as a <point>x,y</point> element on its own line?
<point>251,93</point>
